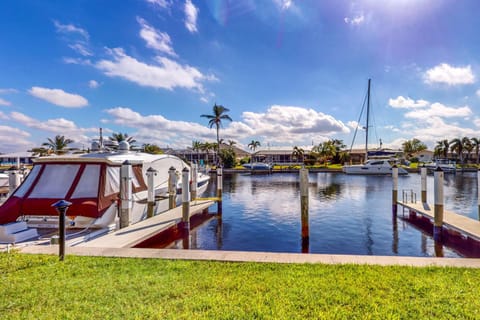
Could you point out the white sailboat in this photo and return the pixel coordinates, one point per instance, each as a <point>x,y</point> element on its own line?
<point>377,166</point>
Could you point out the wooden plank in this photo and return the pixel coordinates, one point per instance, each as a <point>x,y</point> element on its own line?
<point>138,232</point>
<point>463,224</point>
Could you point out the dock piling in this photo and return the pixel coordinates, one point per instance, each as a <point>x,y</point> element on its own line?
<point>185,198</point>
<point>304,209</point>
<point>125,193</point>
<point>438,210</point>
<point>151,173</point>
<point>394,189</point>
<point>193,186</point>
<point>423,174</point>
<point>219,189</point>
<point>172,188</point>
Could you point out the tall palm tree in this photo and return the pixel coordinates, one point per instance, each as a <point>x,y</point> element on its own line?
<point>476,145</point>
<point>58,144</point>
<point>119,137</point>
<point>253,145</point>
<point>467,146</point>
<point>215,119</point>
<point>196,146</point>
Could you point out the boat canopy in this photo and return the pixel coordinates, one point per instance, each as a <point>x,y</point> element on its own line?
<point>91,187</point>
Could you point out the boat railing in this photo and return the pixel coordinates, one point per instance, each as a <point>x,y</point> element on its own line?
<point>408,195</point>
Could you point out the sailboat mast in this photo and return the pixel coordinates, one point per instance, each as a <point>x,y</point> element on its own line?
<point>368,118</point>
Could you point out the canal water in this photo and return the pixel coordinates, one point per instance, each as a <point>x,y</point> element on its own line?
<point>348,214</point>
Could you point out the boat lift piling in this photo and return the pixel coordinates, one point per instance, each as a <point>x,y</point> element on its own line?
<point>423,175</point>
<point>304,209</point>
<point>394,189</point>
<point>193,185</point>
<point>151,173</point>
<point>438,201</point>
<point>219,190</point>
<point>126,197</point>
<point>172,188</point>
<point>185,199</point>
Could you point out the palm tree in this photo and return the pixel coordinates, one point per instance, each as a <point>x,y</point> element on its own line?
<point>456,145</point>
<point>58,144</point>
<point>231,143</point>
<point>207,146</point>
<point>152,148</point>
<point>467,146</point>
<point>196,146</point>
<point>216,118</point>
<point>253,145</point>
<point>119,137</point>
<point>476,145</point>
<point>41,151</point>
<point>441,149</point>
<point>298,153</point>
<point>327,150</point>
<point>412,146</point>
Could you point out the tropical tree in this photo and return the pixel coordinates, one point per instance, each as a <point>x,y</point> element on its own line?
<point>41,151</point>
<point>206,147</point>
<point>412,146</point>
<point>253,145</point>
<point>476,146</point>
<point>231,143</point>
<point>327,150</point>
<point>298,153</point>
<point>196,146</point>
<point>152,148</point>
<point>119,137</point>
<point>58,144</point>
<point>441,149</point>
<point>456,145</point>
<point>467,146</point>
<point>215,119</point>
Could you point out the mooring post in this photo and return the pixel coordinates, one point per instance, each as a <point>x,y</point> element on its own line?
<point>185,198</point>
<point>423,174</point>
<point>394,189</point>
<point>193,187</point>
<point>172,188</point>
<point>61,207</point>
<point>219,189</point>
<point>125,193</point>
<point>438,210</point>
<point>13,181</point>
<point>304,208</point>
<point>151,173</point>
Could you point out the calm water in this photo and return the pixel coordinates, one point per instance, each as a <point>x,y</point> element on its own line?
<point>348,214</point>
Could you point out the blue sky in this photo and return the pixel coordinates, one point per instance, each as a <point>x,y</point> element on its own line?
<point>291,72</point>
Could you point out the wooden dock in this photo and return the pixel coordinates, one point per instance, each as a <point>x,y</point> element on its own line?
<point>451,220</point>
<point>134,234</point>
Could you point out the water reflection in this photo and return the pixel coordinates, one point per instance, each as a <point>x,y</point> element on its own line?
<point>347,215</point>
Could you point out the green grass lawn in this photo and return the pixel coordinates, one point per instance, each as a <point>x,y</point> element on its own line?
<point>41,287</point>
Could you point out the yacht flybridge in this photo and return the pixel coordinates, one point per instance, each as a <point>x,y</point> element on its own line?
<point>91,182</point>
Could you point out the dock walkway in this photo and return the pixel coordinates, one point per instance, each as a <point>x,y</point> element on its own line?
<point>136,233</point>
<point>452,220</point>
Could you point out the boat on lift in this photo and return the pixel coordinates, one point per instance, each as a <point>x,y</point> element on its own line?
<point>91,182</point>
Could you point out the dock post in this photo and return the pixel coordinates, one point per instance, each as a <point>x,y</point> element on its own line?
<point>61,207</point>
<point>478,192</point>
<point>304,209</point>
<point>151,173</point>
<point>193,190</point>
<point>394,189</point>
<point>219,189</point>
<point>172,188</point>
<point>423,174</point>
<point>13,181</point>
<point>125,193</point>
<point>185,198</point>
<point>438,210</point>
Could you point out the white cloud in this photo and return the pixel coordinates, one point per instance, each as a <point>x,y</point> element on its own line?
<point>161,3</point>
<point>283,4</point>
<point>167,74</point>
<point>4,102</point>
<point>191,13</point>
<point>70,28</point>
<point>20,143</point>
<point>81,49</point>
<point>439,110</point>
<point>8,90</point>
<point>449,75</point>
<point>156,40</point>
<point>355,21</point>
<point>478,92</point>
<point>93,84</point>
<point>407,103</point>
<point>79,61</point>
<point>59,97</point>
